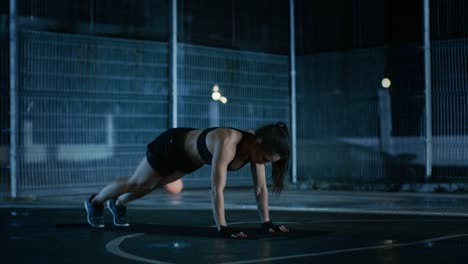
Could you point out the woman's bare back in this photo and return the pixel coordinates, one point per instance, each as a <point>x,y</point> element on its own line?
<point>191,149</point>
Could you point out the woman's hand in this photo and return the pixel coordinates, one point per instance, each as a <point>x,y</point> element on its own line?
<point>272,228</point>
<point>229,233</point>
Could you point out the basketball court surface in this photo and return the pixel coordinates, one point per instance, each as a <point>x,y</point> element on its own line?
<point>325,228</point>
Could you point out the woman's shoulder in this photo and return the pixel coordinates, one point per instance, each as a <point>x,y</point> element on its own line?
<point>250,131</point>
<point>229,134</point>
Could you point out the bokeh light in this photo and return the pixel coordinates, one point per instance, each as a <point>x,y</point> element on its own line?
<point>386,83</point>
<point>216,96</point>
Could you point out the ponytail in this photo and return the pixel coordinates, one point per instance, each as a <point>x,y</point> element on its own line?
<point>274,138</point>
<point>279,169</point>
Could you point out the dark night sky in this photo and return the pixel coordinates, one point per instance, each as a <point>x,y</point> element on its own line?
<point>261,25</point>
<point>339,24</point>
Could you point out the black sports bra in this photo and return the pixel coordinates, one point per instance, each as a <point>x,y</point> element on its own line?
<point>206,155</point>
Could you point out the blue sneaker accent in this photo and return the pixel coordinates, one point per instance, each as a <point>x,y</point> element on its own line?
<point>94,213</point>
<point>119,213</point>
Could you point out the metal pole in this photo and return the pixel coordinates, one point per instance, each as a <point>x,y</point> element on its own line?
<point>173,63</point>
<point>427,85</point>
<point>385,114</point>
<point>293,93</point>
<point>233,22</point>
<point>13,101</point>
<point>91,16</point>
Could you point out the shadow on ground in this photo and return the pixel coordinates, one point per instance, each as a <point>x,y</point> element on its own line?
<point>196,231</point>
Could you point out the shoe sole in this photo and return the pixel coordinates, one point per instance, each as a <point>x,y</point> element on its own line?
<point>87,217</point>
<point>113,215</point>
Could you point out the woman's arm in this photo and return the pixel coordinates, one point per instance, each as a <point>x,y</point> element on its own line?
<point>261,191</point>
<point>261,196</point>
<point>224,152</point>
<point>218,183</point>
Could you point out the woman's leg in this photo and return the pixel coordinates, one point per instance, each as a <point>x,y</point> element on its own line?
<point>143,180</point>
<point>128,197</point>
<point>125,198</point>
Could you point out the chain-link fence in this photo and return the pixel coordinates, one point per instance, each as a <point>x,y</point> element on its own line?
<point>94,89</point>
<point>338,117</point>
<point>88,106</point>
<point>450,110</point>
<point>255,84</point>
<point>4,112</point>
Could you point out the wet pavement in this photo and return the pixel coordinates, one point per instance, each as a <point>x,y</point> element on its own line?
<point>326,227</point>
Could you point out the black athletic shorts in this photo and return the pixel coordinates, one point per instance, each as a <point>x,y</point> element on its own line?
<point>166,153</point>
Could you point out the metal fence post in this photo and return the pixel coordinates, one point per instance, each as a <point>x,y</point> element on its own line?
<point>173,64</point>
<point>428,92</point>
<point>13,101</point>
<point>293,93</point>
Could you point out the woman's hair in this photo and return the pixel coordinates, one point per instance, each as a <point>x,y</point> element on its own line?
<point>274,139</point>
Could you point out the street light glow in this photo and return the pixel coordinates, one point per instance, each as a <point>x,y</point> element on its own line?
<point>216,96</point>
<point>386,83</point>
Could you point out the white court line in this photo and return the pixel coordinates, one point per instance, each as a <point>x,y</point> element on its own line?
<point>331,252</point>
<point>203,206</point>
<point>114,245</point>
<point>359,211</point>
<point>352,221</point>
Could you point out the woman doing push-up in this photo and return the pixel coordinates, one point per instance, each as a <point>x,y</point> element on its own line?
<point>180,151</point>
